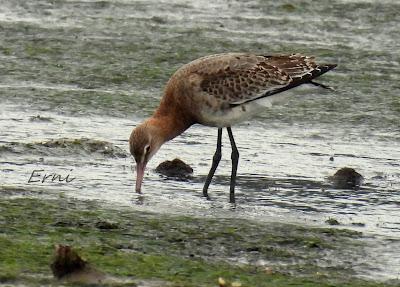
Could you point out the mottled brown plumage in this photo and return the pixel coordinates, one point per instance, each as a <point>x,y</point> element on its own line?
<point>219,90</point>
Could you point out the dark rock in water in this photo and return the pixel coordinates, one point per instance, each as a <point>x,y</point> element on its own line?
<point>332,221</point>
<point>346,178</point>
<point>69,266</point>
<point>176,168</point>
<point>159,20</point>
<point>360,224</point>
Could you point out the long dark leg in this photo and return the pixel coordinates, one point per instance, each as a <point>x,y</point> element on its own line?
<point>235,161</point>
<point>215,162</point>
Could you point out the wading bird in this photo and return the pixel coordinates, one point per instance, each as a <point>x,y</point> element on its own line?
<point>219,91</point>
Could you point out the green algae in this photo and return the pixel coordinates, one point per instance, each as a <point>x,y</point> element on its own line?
<point>65,146</point>
<point>182,250</point>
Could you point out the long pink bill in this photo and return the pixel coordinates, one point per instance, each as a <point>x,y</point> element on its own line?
<point>140,167</point>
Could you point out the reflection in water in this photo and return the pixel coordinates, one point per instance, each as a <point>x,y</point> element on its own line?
<point>139,200</point>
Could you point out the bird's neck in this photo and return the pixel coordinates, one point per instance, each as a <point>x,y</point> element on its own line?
<point>168,126</point>
<point>171,116</point>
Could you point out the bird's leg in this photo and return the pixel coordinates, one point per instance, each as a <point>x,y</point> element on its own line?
<point>235,161</point>
<point>215,162</point>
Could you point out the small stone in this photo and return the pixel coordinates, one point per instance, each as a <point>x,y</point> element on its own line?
<point>313,244</point>
<point>360,224</point>
<point>159,20</point>
<point>175,168</point>
<point>253,249</point>
<point>332,221</point>
<point>106,225</point>
<point>346,178</point>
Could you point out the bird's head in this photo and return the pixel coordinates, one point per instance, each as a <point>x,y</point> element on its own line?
<point>144,142</point>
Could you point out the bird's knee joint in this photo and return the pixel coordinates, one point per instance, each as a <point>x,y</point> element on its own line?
<point>235,155</point>
<point>217,157</point>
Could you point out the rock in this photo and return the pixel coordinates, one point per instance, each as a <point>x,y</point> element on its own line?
<point>106,225</point>
<point>69,266</point>
<point>159,20</point>
<point>332,221</point>
<point>176,168</point>
<point>346,178</point>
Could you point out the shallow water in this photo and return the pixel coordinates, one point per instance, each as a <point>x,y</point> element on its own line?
<point>95,69</point>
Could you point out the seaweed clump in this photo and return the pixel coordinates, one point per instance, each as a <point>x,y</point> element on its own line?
<point>175,168</point>
<point>346,178</point>
<point>69,266</point>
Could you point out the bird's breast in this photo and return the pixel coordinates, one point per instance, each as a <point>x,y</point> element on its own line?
<point>226,116</point>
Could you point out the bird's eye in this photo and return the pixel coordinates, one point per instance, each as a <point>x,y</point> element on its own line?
<point>147,149</point>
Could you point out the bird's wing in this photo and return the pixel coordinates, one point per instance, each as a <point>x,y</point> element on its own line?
<point>237,78</point>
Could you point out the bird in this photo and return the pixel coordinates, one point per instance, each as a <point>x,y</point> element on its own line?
<point>219,91</point>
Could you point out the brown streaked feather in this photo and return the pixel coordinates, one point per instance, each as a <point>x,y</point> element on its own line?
<point>237,78</point>
<point>294,65</point>
<point>298,79</point>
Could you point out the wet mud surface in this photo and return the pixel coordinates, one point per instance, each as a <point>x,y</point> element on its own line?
<point>182,251</point>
